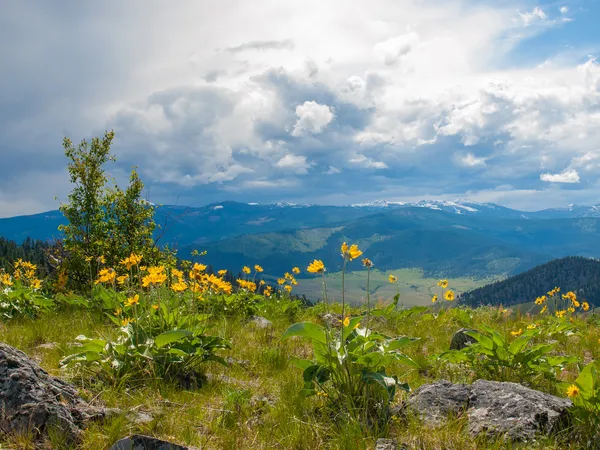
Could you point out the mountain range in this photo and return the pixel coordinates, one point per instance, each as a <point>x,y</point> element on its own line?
<point>446,238</point>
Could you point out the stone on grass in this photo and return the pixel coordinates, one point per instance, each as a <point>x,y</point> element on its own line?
<point>140,442</point>
<point>386,444</point>
<point>494,408</point>
<point>261,322</point>
<point>32,401</point>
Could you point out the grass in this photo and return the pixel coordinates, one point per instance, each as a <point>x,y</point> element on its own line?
<point>415,288</point>
<point>254,403</point>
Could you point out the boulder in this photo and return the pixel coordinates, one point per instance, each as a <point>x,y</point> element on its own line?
<point>461,339</point>
<point>261,322</point>
<point>140,442</point>
<point>494,408</point>
<point>32,401</point>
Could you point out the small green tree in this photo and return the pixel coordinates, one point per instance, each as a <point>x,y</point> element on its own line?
<point>103,220</point>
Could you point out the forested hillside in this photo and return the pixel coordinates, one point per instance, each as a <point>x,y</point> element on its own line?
<point>29,250</point>
<point>578,274</point>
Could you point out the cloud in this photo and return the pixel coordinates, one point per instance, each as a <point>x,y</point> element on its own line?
<point>391,50</point>
<point>470,160</point>
<point>312,118</point>
<point>568,176</point>
<point>227,107</point>
<point>296,163</point>
<point>363,161</point>
<point>564,9</point>
<point>536,14</point>
<point>286,44</point>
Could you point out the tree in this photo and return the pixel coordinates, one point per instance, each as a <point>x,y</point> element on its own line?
<point>103,220</point>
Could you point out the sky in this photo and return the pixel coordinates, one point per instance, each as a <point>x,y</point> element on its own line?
<point>327,102</point>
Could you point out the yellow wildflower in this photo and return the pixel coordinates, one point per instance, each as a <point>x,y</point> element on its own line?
<point>288,288</point>
<point>296,270</point>
<point>571,309</point>
<point>127,321</point>
<point>316,266</point>
<point>449,296</point>
<point>118,311</point>
<point>122,279</point>
<point>573,391</point>
<point>258,268</point>
<point>246,270</point>
<point>443,284</point>
<point>560,314</point>
<point>35,283</point>
<point>367,263</point>
<point>5,280</point>
<point>281,281</point>
<point>519,332</point>
<point>88,259</point>
<point>155,307</point>
<point>393,279</point>
<point>351,252</point>
<point>544,309</point>
<point>101,260</point>
<point>434,298</point>
<point>347,321</point>
<point>180,286</point>
<point>135,300</point>
<point>222,272</point>
<point>532,326</point>
<point>585,306</point>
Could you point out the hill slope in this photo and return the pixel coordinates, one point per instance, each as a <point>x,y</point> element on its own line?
<point>577,274</point>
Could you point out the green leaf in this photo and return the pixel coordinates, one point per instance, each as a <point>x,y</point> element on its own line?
<point>400,342</point>
<point>519,344</point>
<point>300,363</point>
<point>403,359</point>
<point>485,341</point>
<point>169,337</point>
<point>308,330</point>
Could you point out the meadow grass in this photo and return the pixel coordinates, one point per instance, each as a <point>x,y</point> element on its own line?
<point>254,403</point>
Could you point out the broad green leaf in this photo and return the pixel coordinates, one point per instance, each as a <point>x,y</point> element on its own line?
<point>168,337</point>
<point>306,329</point>
<point>518,344</point>
<point>300,363</point>
<point>485,341</point>
<point>399,342</point>
<point>402,358</point>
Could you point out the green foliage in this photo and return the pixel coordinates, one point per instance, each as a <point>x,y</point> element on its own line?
<point>21,300</point>
<point>349,368</point>
<point>495,357</point>
<point>103,221</point>
<point>585,393</point>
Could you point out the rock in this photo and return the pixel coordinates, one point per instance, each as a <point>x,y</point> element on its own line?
<point>261,322</point>
<point>140,417</point>
<point>32,401</point>
<point>386,444</point>
<point>495,408</point>
<point>334,320</point>
<point>461,339</point>
<point>48,346</point>
<point>140,442</point>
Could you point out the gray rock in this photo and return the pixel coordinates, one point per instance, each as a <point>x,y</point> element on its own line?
<point>461,339</point>
<point>140,442</point>
<point>494,408</point>
<point>261,322</point>
<point>48,346</point>
<point>32,401</point>
<point>331,319</point>
<point>386,444</point>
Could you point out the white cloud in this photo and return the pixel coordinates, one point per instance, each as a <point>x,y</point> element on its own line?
<point>297,163</point>
<point>534,15</point>
<point>363,161</point>
<point>564,9</point>
<point>333,170</point>
<point>568,176</point>
<point>470,160</point>
<point>391,50</point>
<point>312,118</point>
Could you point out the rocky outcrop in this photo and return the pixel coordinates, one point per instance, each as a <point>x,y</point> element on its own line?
<point>32,401</point>
<point>494,408</point>
<point>140,442</point>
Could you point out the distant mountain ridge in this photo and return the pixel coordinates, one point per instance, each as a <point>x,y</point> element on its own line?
<point>577,274</point>
<point>450,238</point>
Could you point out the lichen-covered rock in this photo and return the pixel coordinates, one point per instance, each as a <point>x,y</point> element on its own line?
<point>140,442</point>
<point>495,408</point>
<point>461,339</point>
<point>261,322</point>
<point>386,444</point>
<point>32,401</point>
